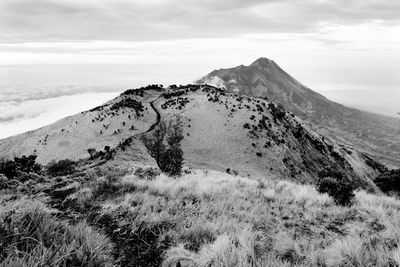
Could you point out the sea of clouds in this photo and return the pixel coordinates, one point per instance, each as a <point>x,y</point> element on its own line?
<point>27,108</point>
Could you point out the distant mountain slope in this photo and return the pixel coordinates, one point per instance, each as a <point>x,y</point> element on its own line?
<point>374,134</point>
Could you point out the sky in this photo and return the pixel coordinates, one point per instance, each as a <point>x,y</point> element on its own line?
<point>79,53</point>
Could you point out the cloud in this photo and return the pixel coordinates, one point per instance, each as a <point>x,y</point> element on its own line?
<point>19,117</point>
<point>127,20</point>
<point>19,94</point>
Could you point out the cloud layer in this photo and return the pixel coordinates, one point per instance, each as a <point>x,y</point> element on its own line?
<point>137,20</point>
<point>19,117</point>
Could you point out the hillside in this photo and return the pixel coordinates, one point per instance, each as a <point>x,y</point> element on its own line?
<point>246,196</point>
<point>373,134</point>
<point>71,137</point>
<point>228,132</point>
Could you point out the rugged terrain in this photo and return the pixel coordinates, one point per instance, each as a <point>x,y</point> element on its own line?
<point>239,134</point>
<point>114,216</point>
<point>377,135</point>
<point>246,197</point>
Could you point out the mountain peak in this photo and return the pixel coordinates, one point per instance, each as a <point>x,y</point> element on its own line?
<point>262,62</point>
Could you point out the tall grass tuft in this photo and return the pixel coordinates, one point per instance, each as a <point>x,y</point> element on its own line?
<point>32,236</point>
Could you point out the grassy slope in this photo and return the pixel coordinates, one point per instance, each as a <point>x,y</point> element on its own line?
<point>72,136</point>
<point>209,218</point>
<point>215,138</point>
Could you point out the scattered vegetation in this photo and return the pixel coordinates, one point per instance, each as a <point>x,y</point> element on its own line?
<point>111,216</point>
<point>129,103</point>
<point>201,219</point>
<point>140,91</point>
<point>278,111</point>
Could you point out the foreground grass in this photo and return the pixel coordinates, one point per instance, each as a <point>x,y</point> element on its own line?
<point>215,219</point>
<point>31,236</point>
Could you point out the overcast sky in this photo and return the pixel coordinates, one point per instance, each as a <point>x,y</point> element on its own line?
<point>349,50</point>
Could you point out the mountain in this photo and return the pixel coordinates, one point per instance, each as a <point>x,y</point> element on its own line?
<point>232,205</point>
<point>239,134</point>
<point>375,135</point>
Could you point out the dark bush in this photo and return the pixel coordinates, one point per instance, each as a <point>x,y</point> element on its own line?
<point>62,167</point>
<point>129,103</point>
<point>336,185</point>
<point>278,111</point>
<point>92,152</point>
<point>8,168</point>
<point>27,164</point>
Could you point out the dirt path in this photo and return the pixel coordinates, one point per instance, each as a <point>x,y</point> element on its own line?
<point>128,141</point>
<point>158,119</point>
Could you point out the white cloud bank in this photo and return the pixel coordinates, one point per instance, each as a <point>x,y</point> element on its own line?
<point>28,115</point>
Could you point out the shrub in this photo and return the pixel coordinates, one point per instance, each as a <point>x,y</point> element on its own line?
<point>337,186</point>
<point>92,152</point>
<point>27,164</point>
<point>277,111</point>
<point>169,158</point>
<point>62,167</point>
<point>8,168</point>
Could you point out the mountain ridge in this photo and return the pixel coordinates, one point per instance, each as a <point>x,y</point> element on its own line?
<point>249,136</point>
<point>374,134</point>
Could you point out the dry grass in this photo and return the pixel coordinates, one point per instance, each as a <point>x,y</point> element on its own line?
<point>207,218</point>
<point>32,236</point>
<point>215,219</point>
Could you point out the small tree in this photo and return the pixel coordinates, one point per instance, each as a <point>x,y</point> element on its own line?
<point>169,156</point>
